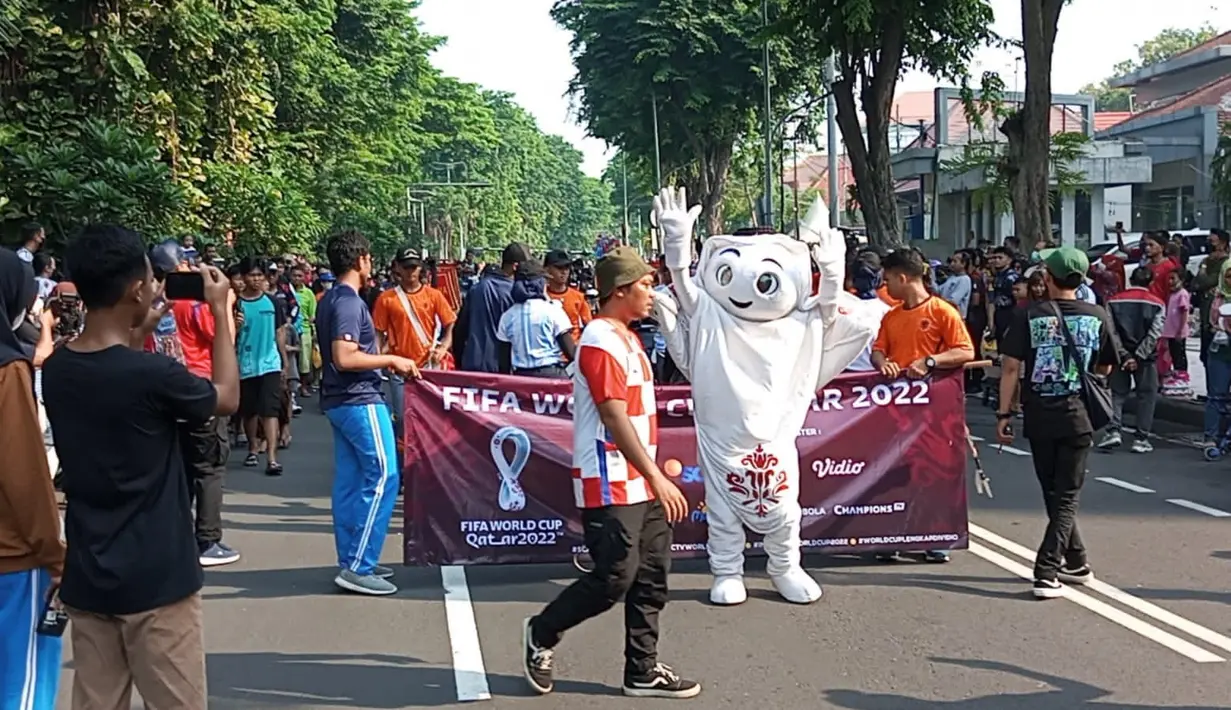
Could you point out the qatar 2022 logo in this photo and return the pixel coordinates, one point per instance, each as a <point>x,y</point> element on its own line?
<point>512,497</point>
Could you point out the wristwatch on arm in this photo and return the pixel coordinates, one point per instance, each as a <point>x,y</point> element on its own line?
<point>930,363</point>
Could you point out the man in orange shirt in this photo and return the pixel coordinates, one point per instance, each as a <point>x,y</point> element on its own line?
<point>557,264</point>
<point>406,318</point>
<point>922,334</point>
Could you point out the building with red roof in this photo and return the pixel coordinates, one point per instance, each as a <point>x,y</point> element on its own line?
<point>1180,106</point>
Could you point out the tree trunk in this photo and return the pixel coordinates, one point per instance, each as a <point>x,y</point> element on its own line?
<point>1029,128</point>
<point>869,157</point>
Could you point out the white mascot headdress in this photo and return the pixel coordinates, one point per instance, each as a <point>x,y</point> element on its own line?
<point>757,341</point>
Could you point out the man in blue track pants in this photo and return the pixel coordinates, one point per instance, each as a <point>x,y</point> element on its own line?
<point>365,483</point>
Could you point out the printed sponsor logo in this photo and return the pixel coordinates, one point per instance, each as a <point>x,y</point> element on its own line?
<point>813,512</point>
<point>875,509</point>
<point>837,467</point>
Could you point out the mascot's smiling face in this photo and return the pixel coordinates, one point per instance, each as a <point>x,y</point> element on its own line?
<point>758,277</point>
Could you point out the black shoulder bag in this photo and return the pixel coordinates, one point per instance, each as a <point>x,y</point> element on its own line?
<point>1095,394</point>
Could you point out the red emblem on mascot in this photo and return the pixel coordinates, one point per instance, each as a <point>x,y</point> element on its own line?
<point>762,484</point>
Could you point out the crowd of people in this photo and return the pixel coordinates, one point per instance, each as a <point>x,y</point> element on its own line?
<point>194,357</point>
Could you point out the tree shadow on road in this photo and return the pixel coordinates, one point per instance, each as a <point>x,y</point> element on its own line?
<point>1068,693</point>
<point>1197,595</point>
<point>291,680</point>
<point>1222,554</point>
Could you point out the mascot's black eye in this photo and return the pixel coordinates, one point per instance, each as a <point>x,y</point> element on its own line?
<point>767,284</point>
<point>725,273</point>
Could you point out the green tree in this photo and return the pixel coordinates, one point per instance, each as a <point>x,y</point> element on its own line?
<point>875,42</point>
<point>1163,46</point>
<point>698,63</point>
<point>264,124</point>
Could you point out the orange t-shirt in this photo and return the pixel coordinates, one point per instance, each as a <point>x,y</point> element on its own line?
<point>930,328</point>
<point>883,294</point>
<point>401,338</point>
<point>575,307</point>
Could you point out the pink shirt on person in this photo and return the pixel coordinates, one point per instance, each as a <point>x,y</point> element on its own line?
<point>1179,305</point>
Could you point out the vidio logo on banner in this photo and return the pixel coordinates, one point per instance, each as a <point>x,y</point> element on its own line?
<point>502,532</point>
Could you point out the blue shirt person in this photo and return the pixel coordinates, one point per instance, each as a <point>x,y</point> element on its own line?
<point>365,484</point>
<point>475,330</point>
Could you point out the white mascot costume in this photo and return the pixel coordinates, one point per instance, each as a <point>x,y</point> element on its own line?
<point>756,343</point>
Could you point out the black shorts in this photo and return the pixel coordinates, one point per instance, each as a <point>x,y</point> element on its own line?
<point>261,396</point>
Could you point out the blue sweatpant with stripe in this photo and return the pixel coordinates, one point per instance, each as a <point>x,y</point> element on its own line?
<point>29,663</point>
<point>365,482</point>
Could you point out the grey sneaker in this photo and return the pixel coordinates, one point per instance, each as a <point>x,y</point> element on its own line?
<point>1142,446</point>
<point>383,572</point>
<point>1111,440</point>
<point>368,584</point>
<point>217,554</point>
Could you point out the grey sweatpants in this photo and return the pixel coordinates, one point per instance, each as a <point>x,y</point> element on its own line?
<point>1144,383</point>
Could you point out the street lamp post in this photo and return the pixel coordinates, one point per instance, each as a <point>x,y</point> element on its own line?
<point>624,169</point>
<point>831,138</point>
<point>769,139</point>
<point>658,161</point>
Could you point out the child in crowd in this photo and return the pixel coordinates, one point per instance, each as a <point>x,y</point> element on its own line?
<point>1175,336</point>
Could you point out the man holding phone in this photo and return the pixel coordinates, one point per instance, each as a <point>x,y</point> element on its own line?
<point>132,585</point>
<point>207,447</point>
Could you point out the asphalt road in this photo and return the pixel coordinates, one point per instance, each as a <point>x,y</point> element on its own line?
<point>885,637</point>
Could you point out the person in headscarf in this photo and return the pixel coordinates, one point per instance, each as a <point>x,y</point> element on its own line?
<point>31,552</point>
<point>535,330</point>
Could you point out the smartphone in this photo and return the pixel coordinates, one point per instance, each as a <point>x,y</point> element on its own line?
<point>185,286</point>
<point>54,620</point>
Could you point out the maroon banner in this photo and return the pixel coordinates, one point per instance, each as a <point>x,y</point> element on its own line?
<point>488,480</point>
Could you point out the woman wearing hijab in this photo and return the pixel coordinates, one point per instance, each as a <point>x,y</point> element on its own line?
<point>31,553</point>
<point>535,330</point>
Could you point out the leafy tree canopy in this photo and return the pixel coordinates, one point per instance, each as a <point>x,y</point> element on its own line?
<point>700,62</point>
<point>266,124</point>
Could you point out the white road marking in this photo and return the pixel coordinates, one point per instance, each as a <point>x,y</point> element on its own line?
<point>1125,485</point>
<point>469,673</point>
<point>1215,512</point>
<point>1132,623</point>
<point>1135,603</point>
<point>1010,450</point>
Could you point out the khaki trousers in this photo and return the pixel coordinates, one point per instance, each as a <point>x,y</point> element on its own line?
<point>160,651</point>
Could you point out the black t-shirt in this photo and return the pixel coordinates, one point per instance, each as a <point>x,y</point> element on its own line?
<point>1051,384</point>
<point>130,532</point>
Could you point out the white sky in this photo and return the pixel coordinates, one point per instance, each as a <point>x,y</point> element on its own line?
<point>514,46</point>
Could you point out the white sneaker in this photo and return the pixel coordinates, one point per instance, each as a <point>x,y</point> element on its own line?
<point>1111,440</point>
<point>1142,446</point>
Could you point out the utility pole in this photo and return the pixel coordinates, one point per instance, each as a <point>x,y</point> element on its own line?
<point>624,169</point>
<point>658,161</point>
<point>831,136</point>
<point>769,133</point>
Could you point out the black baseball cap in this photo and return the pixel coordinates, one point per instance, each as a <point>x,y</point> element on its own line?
<point>557,257</point>
<point>407,255</point>
<point>515,253</point>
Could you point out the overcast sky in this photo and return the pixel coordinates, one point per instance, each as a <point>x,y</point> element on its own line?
<point>514,46</point>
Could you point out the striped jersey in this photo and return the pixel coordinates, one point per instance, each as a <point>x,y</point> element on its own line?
<point>610,365</point>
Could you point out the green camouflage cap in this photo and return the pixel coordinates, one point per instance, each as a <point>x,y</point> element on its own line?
<point>619,267</point>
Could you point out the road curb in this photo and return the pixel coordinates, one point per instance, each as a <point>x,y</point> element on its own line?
<point>1184,413</point>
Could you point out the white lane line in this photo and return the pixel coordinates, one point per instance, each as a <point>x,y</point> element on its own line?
<point>1132,623</point>
<point>1135,603</point>
<point>1215,512</point>
<point>469,673</point>
<point>998,447</point>
<point>1125,485</point>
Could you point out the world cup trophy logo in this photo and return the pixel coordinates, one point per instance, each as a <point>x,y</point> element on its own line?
<point>512,497</point>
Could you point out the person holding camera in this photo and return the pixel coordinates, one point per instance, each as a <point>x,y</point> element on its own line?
<point>132,585</point>
<point>31,552</point>
<point>1054,347</point>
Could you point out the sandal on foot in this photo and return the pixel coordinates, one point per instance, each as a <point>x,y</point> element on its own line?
<point>252,460</point>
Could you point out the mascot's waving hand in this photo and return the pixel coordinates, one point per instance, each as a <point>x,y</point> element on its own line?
<point>756,342</point>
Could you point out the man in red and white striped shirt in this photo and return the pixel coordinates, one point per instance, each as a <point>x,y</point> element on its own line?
<point>626,502</point>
